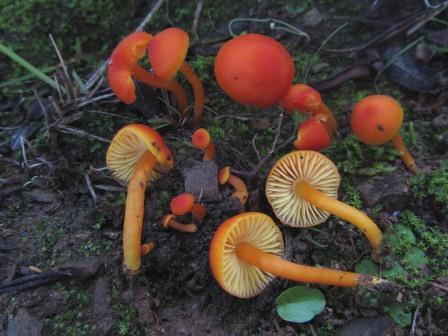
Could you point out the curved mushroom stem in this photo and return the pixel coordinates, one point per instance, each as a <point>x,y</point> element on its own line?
<point>209,152</point>
<point>174,87</point>
<point>133,217</point>
<point>296,272</point>
<point>188,228</point>
<point>240,188</point>
<point>344,211</point>
<point>147,248</point>
<point>198,89</point>
<point>407,158</point>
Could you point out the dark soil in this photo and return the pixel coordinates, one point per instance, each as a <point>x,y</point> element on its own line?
<point>49,218</point>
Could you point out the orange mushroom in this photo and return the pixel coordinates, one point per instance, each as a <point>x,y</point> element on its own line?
<point>137,154</point>
<point>306,99</point>
<point>123,65</point>
<point>185,203</point>
<point>302,189</point>
<point>246,254</point>
<point>313,134</point>
<point>167,52</point>
<point>169,221</point>
<point>377,119</point>
<point>225,176</point>
<point>201,139</point>
<point>257,70</point>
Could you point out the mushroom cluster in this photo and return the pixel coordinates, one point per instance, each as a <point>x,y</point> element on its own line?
<point>246,252</point>
<point>256,70</point>
<point>166,53</point>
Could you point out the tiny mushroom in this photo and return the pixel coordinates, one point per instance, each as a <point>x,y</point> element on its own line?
<point>201,139</point>
<point>257,70</point>
<point>185,203</point>
<point>225,176</point>
<point>123,65</point>
<point>246,254</point>
<point>313,134</point>
<point>169,221</point>
<point>137,154</point>
<point>167,52</point>
<point>377,119</point>
<point>302,189</point>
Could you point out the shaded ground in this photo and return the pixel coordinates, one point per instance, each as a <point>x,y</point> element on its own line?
<point>48,216</point>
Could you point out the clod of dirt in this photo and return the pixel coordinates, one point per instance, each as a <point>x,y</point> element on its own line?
<point>389,190</point>
<point>24,324</point>
<point>82,269</point>
<point>201,179</point>
<point>101,307</point>
<point>312,18</point>
<point>367,326</point>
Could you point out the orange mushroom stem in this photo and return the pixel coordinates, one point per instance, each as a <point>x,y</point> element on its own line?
<point>199,94</point>
<point>123,65</point>
<point>358,218</point>
<point>241,192</point>
<point>201,139</point>
<point>306,99</point>
<point>301,273</point>
<point>405,155</point>
<point>184,203</point>
<point>377,119</point>
<point>313,134</point>
<point>169,221</point>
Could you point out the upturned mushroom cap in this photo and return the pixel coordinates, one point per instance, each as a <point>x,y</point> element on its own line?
<point>123,59</point>
<point>182,204</point>
<point>224,175</point>
<point>376,119</point>
<point>129,144</point>
<point>201,138</point>
<point>301,97</point>
<point>313,167</point>
<point>167,52</point>
<point>254,69</point>
<point>237,277</point>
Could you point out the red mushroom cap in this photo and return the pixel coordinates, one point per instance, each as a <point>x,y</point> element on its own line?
<point>122,61</point>
<point>182,204</point>
<point>312,135</point>
<point>167,51</point>
<point>201,138</point>
<point>376,119</point>
<point>254,69</point>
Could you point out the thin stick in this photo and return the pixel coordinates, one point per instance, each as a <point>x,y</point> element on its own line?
<point>197,15</point>
<point>109,188</point>
<point>89,186</point>
<point>70,84</point>
<point>98,73</point>
<point>414,321</point>
<point>71,130</point>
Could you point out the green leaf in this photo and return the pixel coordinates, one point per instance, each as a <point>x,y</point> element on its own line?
<point>416,257</point>
<point>367,266</point>
<point>399,314</point>
<point>300,304</point>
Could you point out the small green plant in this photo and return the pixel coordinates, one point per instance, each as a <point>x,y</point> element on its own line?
<point>300,304</point>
